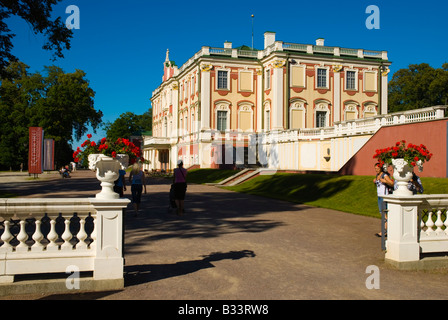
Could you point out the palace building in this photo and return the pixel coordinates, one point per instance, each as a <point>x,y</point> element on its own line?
<point>289,106</point>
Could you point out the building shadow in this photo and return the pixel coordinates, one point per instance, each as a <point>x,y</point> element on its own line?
<point>139,274</point>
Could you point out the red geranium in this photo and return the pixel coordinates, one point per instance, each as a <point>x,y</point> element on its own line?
<point>412,153</point>
<point>107,147</point>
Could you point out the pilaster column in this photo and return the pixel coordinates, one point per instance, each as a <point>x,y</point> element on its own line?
<point>205,95</point>
<point>259,123</point>
<point>277,93</point>
<point>337,93</point>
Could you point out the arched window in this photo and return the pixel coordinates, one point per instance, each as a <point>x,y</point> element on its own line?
<point>321,114</point>
<point>267,116</point>
<point>222,115</point>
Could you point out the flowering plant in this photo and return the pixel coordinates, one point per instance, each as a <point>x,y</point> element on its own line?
<point>109,148</point>
<point>411,153</point>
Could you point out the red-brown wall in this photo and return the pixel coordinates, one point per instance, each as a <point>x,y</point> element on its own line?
<point>432,134</point>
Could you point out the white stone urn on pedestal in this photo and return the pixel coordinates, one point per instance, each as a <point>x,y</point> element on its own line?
<point>402,174</point>
<point>107,172</point>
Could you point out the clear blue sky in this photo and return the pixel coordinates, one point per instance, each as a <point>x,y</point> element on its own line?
<point>121,45</point>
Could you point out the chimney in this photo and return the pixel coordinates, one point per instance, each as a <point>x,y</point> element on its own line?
<point>320,42</point>
<point>228,45</point>
<point>269,38</point>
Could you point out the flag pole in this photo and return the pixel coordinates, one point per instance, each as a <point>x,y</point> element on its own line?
<point>252,32</point>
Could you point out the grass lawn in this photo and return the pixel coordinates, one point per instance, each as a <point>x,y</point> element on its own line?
<point>353,194</point>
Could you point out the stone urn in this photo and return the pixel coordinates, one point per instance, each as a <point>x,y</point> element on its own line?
<point>402,174</point>
<point>106,169</point>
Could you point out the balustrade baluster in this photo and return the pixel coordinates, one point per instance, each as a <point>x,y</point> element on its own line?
<point>422,223</point>
<point>6,237</point>
<point>429,223</point>
<point>38,237</point>
<point>446,221</point>
<point>52,236</point>
<point>67,235</point>
<point>82,235</point>
<point>93,234</point>
<point>439,222</point>
<point>22,237</point>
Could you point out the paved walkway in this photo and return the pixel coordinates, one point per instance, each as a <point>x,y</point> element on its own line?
<point>237,246</point>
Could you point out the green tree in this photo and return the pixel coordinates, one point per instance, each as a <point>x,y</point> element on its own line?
<point>129,123</point>
<point>419,86</point>
<point>61,103</point>
<point>37,13</point>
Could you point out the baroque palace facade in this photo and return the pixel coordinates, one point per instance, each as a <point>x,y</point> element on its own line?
<point>284,107</point>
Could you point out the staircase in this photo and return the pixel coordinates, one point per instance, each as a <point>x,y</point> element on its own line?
<point>239,177</point>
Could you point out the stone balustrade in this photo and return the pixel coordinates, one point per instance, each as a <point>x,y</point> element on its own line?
<point>50,235</point>
<point>416,225</point>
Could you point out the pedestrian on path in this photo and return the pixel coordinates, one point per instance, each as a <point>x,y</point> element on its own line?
<point>180,186</point>
<point>383,184</point>
<point>137,179</point>
<point>120,183</point>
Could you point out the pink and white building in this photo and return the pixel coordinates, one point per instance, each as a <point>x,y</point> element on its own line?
<point>284,106</point>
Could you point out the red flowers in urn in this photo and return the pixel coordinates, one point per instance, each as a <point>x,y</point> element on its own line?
<point>413,154</point>
<point>109,148</point>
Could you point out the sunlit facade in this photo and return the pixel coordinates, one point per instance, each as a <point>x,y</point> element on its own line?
<point>223,99</point>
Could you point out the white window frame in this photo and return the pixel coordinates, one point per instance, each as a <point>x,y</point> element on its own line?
<point>267,120</point>
<point>356,79</point>
<point>218,70</point>
<point>327,77</point>
<point>267,79</point>
<point>322,107</point>
<point>223,106</point>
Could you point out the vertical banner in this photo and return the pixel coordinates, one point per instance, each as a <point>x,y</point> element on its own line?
<point>48,154</point>
<point>35,153</point>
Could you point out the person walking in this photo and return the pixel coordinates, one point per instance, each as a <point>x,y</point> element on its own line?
<point>120,183</point>
<point>137,180</point>
<point>180,186</point>
<point>383,184</point>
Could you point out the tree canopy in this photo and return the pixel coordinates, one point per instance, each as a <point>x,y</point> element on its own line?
<point>419,86</point>
<point>61,103</point>
<point>37,13</point>
<point>129,123</point>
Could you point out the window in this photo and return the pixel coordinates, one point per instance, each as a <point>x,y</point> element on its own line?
<point>222,120</point>
<point>267,79</point>
<point>321,78</point>
<point>222,80</point>
<point>268,120</point>
<point>351,80</point>
<point>321,118</point>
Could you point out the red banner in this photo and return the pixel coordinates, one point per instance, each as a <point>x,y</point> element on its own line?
<point>35,153</point>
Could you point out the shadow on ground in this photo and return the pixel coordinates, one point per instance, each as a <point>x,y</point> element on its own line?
<point>138,274</point>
